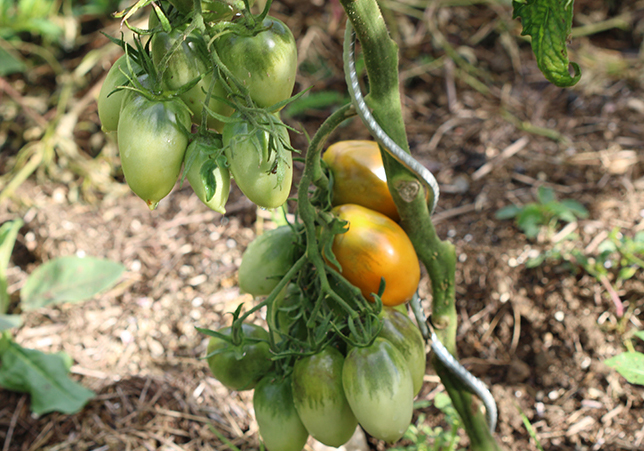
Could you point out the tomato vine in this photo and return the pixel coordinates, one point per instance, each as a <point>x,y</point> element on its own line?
<point>203,66</point>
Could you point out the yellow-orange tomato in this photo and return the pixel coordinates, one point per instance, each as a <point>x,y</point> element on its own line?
<point>359,176</point>
<point>375,247</point>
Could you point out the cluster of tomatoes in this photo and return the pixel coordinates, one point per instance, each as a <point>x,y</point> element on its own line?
<point>202,96</point>
<point>326,391</point>
<point>205,100</point>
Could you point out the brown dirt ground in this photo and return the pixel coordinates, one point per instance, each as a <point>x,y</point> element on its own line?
<point>538,337</point>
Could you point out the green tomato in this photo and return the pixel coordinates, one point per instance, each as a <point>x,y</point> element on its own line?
<point>109,106</point>
<point>187,63</point>
<point>152,140</point>
<point>401,331</point>
<point>266,260</point>
<point>240,367</point>
<point>319,397</point>
<point>219,10</point>
<point>278,421</point>
<point>379,388</point>
<point>258,179</point>
<point>214,171</point>
<point>265,63</point>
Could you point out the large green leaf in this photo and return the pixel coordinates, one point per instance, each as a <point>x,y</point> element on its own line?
<point>549,23</point>
<point>44,377</point>
<point>630,365</point>
<point>68,279</point>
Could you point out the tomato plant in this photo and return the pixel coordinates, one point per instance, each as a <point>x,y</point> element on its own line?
<point>379,388</point>
<point>400,330</point>
<point>249,65</point>
<point>319,397</point>
<point>278,421</point>
<point>152,139</point>
<point>260,171</point>
<point>375,247</point>
<point>240,367</point>
<point>359,176</point>
<point>265,63</point>
<point>266,260</point>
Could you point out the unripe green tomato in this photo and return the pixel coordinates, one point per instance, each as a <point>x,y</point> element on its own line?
<point>109,106</point>
<point>400,330</point>
<point>240,369</point>
<point>258,178</point>
<point>378,385</point>
<point>222,180</point>
<point>279,424</point>
<point>319,397</point>
<point>266,260</point>
<point>219,10</point>
<point>186,64</point>
<point>265,63</point>
<point>152,140</point>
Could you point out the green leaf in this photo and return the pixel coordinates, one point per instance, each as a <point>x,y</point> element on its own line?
<point>9,321</point>
<point>44,377</point>
<point>577,208</point>
<point>508,212</point>
<point>640,334</point>
<point>68,279</point>
<point>546,195</point>
<point>8,234</point>
<point>208,177</point>
<point>10,64</point>
<point>549,23</point>
<point>627,272</point>
<point>536,261</point>
<point>630,365</point>
<point>607,246</point>
<point>530,219</point>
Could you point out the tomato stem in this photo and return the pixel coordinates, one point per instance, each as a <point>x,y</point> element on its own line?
<point>439,257</point>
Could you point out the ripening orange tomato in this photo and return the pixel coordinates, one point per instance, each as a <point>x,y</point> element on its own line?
<point>374,247</point>
<point>359,176</point>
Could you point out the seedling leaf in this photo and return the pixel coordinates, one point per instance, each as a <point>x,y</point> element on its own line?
<point>44,377</point>
<point>68,279</point>
<point>508,212</point>
<point>630,365</point>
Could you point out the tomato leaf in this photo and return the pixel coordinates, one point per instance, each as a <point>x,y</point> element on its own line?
<point>630,365</point>
<point>508,212</point>
<point>549,23</point>
<point>546,195</point>
<point>640,334</point>
<point>44,377</point>
<point>69,279</point>
<point>576,208</point>
<point>208,177</point>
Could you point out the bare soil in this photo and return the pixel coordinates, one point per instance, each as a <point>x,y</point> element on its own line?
<point>493,131</point>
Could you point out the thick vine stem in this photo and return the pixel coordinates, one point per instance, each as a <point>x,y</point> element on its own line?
<point>439,257</point>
